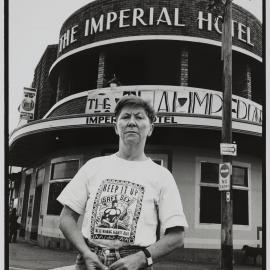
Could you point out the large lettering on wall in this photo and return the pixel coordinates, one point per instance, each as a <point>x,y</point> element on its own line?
<point>182,19</point>
<point>173,101</point>
<point>139,17</point>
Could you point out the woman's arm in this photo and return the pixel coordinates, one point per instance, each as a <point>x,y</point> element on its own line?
<point>173,239</point>
<point>68,226</point>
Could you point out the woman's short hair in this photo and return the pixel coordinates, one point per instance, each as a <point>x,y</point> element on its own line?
<point>135,101</point>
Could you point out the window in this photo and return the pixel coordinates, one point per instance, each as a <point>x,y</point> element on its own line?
<point>210,198</point>
<point>64,170</point>
<point>54,207</point>
<point>61,174</point>
<point>159,161</point>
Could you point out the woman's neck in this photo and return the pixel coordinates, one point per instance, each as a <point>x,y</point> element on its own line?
<point>131,153</point>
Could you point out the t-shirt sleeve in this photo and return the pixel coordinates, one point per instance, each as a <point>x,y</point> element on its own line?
<point>171,212</point>
<point>75,194</point>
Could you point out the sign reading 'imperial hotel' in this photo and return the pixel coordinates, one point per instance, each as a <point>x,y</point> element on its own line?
<point>137,16</point>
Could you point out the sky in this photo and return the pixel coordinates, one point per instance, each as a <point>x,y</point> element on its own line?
<point>35,24</point>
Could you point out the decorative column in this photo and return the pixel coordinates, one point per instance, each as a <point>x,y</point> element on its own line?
<point>60,94</point>
<point>246,91</point>
<point>184,67</point>
<point>101,78</point>
<point>243,86</point>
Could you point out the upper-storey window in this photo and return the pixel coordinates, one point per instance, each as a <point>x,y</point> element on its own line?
<point>204,67</point>
<point>144,63</point>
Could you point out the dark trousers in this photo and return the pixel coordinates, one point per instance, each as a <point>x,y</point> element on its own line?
<point>12,234</point>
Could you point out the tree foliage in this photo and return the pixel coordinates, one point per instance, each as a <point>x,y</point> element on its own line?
<point>217,6</point>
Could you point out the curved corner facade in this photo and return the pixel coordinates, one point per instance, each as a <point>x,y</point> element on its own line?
<point>167,52</point>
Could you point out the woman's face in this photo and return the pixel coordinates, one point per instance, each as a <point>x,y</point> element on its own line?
<point>133,125</point>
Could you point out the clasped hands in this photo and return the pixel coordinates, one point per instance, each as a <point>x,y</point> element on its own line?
<point>132,262</point>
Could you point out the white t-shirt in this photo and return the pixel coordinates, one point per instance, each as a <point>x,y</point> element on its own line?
<point>122,201</point>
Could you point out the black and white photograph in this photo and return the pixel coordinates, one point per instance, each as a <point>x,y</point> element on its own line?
<point>136,135</point>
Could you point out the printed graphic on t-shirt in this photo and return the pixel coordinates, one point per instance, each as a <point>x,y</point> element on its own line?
<point>116,210</point>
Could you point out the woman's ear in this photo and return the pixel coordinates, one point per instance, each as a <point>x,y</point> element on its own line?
<point>151,130</point>
<point>115,129</point>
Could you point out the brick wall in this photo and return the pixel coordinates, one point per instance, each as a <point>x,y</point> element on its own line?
<point>45,92</point>
<point>184,67</point>
<point>75,106</point>
<point>101,70</point>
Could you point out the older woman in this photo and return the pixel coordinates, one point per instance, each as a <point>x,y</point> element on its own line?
<point>123,197</point>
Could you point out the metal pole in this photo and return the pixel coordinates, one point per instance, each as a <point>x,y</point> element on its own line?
<point>226,196</point>
<point>10,188</point>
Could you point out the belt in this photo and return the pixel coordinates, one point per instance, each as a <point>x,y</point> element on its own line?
<point>108,255</point>
<point>133,248</point>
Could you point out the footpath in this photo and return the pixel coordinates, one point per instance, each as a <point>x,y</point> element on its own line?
<point>26,256</point>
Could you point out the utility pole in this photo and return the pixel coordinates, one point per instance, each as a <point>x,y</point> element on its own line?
<point>226,138</point>
<point>227,149</point>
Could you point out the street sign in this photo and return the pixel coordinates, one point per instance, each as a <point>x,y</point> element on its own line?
<point>224,176</point>
<point>27,107</point>
<point>228,149</point>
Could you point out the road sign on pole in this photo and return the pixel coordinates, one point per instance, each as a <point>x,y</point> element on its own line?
<point>228,149</point>
<point>224,176</point>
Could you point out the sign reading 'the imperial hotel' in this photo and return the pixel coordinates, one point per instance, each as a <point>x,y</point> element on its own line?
<point>151,17</point>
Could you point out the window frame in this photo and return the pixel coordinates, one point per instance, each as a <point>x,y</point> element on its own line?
<point>164,158</point>
<point>42,184</point>
<point>61,179</point>
<point>198,184</point>
<point>43,176</point>
<point>59,160</point>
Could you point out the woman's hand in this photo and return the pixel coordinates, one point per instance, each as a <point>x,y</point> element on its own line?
<point>92,262</point>
<point>132,262</point>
